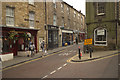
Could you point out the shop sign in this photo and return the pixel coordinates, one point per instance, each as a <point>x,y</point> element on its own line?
<point>88,41</point>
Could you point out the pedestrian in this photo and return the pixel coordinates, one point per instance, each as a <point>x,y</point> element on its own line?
<point>76,40</point>
<point>42,45</point>
<point>31,48</point>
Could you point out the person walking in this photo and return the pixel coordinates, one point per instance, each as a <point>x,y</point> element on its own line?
<point>42,45</point>
<point>76,40</point>
<point>31,48</point>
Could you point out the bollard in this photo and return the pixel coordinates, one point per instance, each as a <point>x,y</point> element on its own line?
<point>79,53</point>
<point>90,52</point>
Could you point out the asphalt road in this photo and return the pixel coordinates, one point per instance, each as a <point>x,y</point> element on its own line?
<point>56,66</point>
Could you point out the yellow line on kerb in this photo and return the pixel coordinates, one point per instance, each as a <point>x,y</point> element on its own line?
<point>69,60</point>
<point>30,61</point>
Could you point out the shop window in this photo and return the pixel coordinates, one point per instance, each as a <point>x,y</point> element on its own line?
<point>31,19</point>
<point>100,8</point>
<point>9,16</point>
<point>100,37</point>
<point>5,48</point>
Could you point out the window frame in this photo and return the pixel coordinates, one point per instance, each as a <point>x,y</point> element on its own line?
<point>98,8</point>
<point>31,19</point>
<point>95,41</point>
<point>10,14</point>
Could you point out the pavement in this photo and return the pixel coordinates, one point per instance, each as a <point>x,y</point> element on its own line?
<point>85,57</point>
<point>95,55</point>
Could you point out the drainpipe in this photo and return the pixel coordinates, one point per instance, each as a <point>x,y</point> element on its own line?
<point>117,19</point>
<point>46,22</point>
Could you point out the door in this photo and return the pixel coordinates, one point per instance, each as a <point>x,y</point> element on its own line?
<point>14,47</point>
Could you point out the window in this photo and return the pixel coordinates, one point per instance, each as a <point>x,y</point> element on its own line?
<point>100,8</point>
<point>54,20</point>
<point>31,19</point>
<point>5,45</point>
<point>74,14</point>
<point>81,20</point>
<point>100,37</point>
<point>31,2</point>
<point>68,9</point>
<point>63,21</point>
<point>9,16</point>
<point>54,3</point>
<point>62,6</point>
<point>78,16</point>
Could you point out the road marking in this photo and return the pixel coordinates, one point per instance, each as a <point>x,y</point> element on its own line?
<point>53,72</point>
<point>31,61</point>
<point>65,64</point>
<point>45,77</point>
<point>59,68</point>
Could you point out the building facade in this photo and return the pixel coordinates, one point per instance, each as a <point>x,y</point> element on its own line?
<point>71,23</point>
<point>103,24</point>
<point>55,22</point>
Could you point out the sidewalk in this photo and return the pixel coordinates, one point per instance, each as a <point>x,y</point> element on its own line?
<point>95,55</point>
<point>18,60</point>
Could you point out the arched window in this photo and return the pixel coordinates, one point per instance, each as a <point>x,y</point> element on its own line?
<point>100,37</point>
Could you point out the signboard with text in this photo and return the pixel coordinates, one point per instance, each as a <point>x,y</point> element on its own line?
<point>88,41</point>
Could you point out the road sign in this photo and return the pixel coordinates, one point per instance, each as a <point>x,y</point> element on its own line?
<point>88,41</point>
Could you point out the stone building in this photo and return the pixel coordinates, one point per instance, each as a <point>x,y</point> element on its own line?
<point>55,22</point>
<point>21,22</point>
<point>70,22</point>
<point>103,24</point>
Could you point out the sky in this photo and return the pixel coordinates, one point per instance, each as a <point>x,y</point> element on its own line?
<point>77,4</point>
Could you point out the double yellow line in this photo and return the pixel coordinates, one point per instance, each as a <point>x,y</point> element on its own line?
<point>69,60</point>
<point>30,61</point>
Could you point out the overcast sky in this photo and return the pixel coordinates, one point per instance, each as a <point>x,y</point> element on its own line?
<point>77,4</point>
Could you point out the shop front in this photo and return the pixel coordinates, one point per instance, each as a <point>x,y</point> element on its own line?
<point>16,40</point>
<point>67,37</point>
<point>52,36</point>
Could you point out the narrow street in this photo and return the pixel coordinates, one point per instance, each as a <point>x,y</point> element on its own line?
<point>56,66</point>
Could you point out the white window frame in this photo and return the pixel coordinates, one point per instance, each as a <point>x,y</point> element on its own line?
<point>9,15</point>
<point>74,14</point>
<point>54,4</point>
<point>99,14</point>
<point>31,19</point>
<point>100,41</point>
<point>63,22</point>
<point>62,7</point>
<point>31,2</point>
<point>54,20</point>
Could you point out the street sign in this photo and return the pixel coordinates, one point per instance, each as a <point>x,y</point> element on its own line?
<point>88,41</point>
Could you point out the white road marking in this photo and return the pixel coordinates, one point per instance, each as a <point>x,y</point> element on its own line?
<point>45,76</point>
<point>59,68</point>
<point>53,72</point>
<point>65,64</point>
